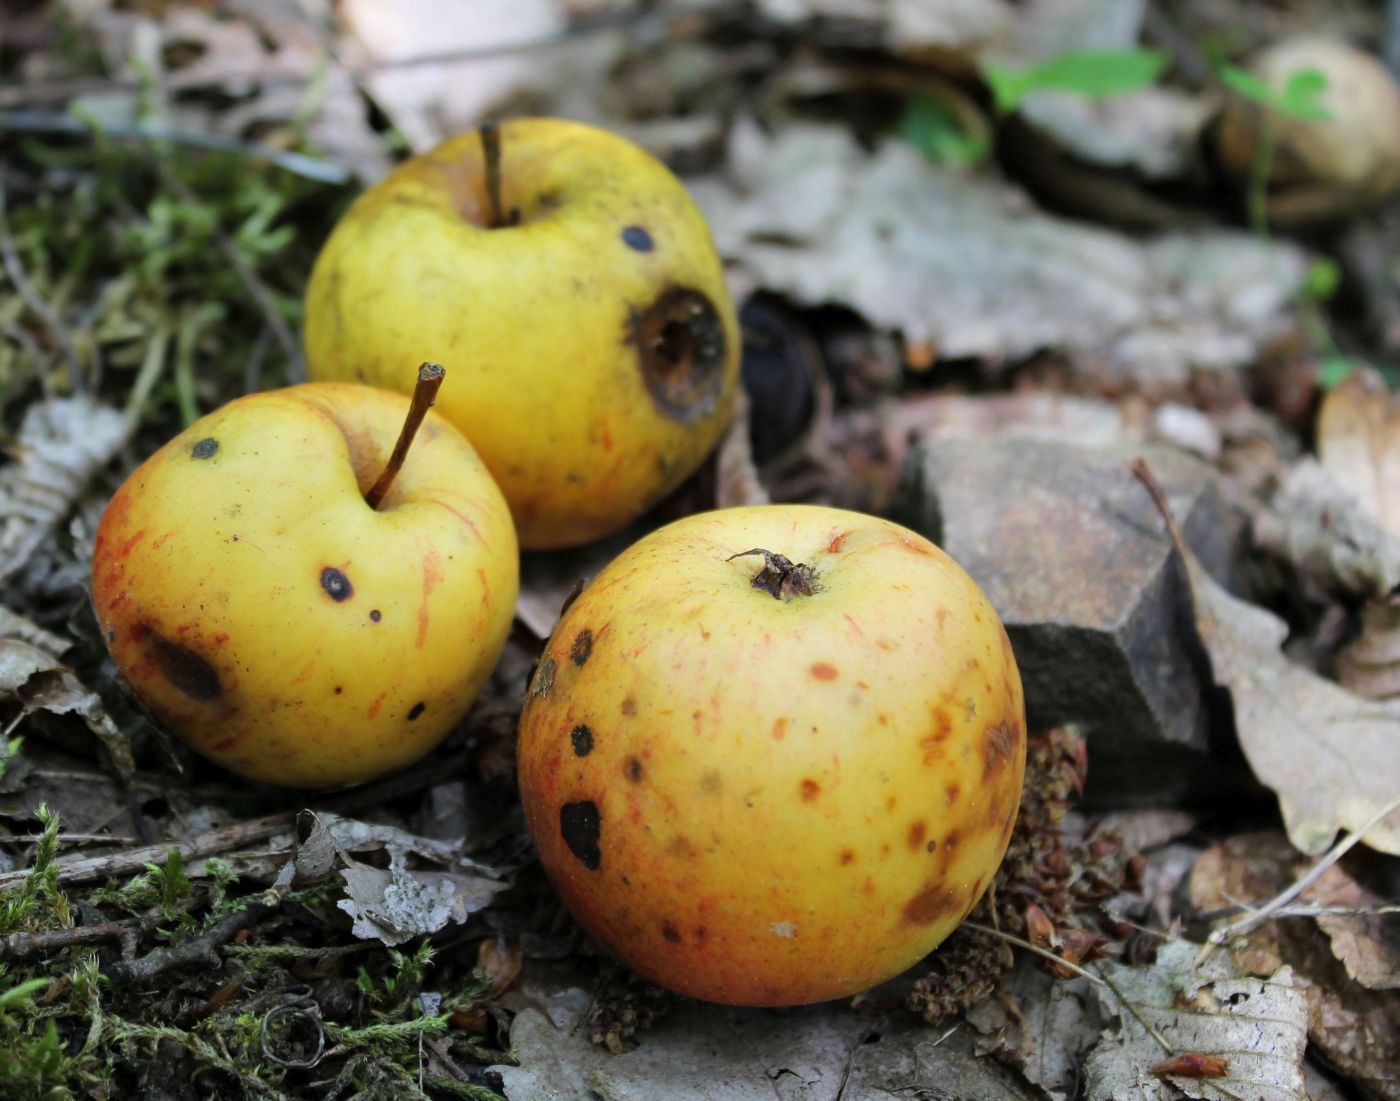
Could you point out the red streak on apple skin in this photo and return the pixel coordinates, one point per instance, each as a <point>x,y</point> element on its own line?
<point>485,587</point>
<point>376,705</point>
<point>465,519</point>
<point>126,548</point>
<point>432,574</point>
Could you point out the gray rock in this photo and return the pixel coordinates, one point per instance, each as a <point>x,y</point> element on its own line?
<point>1073,554</point>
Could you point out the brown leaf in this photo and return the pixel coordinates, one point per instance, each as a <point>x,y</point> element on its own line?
<point>1358,441</point>
<point>1359,940</point>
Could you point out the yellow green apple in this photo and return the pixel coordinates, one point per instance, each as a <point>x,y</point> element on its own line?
<point>568,282</point>
<point>281,623</point>
<point>773,755</point>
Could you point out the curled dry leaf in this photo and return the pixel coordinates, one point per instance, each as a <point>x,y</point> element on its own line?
<point>396,904</point>
<point>1253,1030</point>
<point>62,443</point>
<point>14,625</point>
<point>1358,443</point>
<point>1368,944</point>
<point>42,683</point>
<point>1332,758</point>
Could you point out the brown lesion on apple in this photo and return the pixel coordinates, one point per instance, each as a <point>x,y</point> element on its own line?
<point>186,671</point>
<point>931,904</point>
<point>336,584</point>
<point>581,826</point>
<point>416,710</point>
<point>581,738</point>
<point>633,769</point>
<point>582,648</point>
<point>998,744</point>
<point>681,344</point>
<point>205,448</point>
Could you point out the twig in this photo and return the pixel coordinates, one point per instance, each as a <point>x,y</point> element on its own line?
<point>198,950</point>
<point>977,926</point>
<point>299,164</point>
<point>14,268</point>
<point>18,945</point>
<point>1271,908</point>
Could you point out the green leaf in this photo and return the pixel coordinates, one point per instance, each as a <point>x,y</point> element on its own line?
<point>1301,94</point>
<point>1244,83</point>
<point>1093,73</point>
<point>936,132</point>
<point>1334,369</point>
<point>1322,278</point>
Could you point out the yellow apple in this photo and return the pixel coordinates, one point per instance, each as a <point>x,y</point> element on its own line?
<point>777,777</point>
<point>278,623</point>
<point>575,297</point>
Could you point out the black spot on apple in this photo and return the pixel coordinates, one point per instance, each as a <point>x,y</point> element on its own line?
<point>336,584</point>
<point>374,615</point>
<point>681,344</point>
<point>338,689</point>
<point>582,738</point>
<point>583,646</point>
<point>205,448</point>
<point>417,709</point>
<point>636,237</point>
<point>186,671</point>
<point>633,769</point>
<point>670,932</point>
<point>581,825</point>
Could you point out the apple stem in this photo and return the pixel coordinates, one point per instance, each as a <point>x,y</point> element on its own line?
<point>491,152</point>
<point>430,377</point>
<point>780,577</point>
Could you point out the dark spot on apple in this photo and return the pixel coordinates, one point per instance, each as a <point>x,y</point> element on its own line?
<point>932,846</point>
<point>629,706</point>
<point>711,782</point>
<point>680,341</point>
<point>544,678</point>
<point>633,769</point>
<point>670,932</point>
<point>336,584</point>
<point>701,932</point>
<point>186,671</point>
<point>583,646</point>
<point>824,670</point>
<point>810,789</point>
<point>930,904</point>
<point>581,826</point>
<point>952,791</point>
<point>917,832</point>
<point>374,615</point>
<point>338,689</point>
<point>998,744</point>
<point>638,238</point>
<point>205,448</point>
<point>847,855</point>
<point>416,710</point>
<point>582,738</point>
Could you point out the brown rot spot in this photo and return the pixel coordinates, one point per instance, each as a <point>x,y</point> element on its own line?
<point>582,738</point>
<point>416,710</point>
<point>952,791</point>
<point>629,706</point>
<point>932,846</point>
<point>581,826</point>
<point>930,904</point>
<point>186,671</point>
<point>779,729</point>
<point>847,856</point>
<point>950,843</point>
<point>824,670</point>
<point>810,789</point>
<point>681,344</point>
<point>205,448</point>
<point>374,615</point>
<point>582,647</point>
<point>917,832</point>
<point>336,584</point>
<point>635,237</point>
<point>998,744</point>
<point>544,678</point>
<point>338,689</point>
<point>711,783</point>
<point>633,769</point>
<point>670,932</point>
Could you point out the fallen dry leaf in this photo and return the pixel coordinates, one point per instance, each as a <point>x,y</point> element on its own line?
<point>1256,1027</point>
<point>14,625</point>
<point>1358,443</point>
<point>62,443</point>
<point>1332,758</point>
<point>1367,944</point>
<point>946,256</point>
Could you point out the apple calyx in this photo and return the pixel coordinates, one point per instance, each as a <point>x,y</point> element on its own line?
<point>498,217</point>
<point>430,377</point>
<point>780,578</point>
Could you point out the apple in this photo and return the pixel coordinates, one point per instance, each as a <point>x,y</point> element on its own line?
<point>773,755</point>
<point>297,603</point>
<point>569,284</point>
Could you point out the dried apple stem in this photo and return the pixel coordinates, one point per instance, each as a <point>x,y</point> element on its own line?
<point>491,153</point>
<point>430,377</point>
<point>779,578</point>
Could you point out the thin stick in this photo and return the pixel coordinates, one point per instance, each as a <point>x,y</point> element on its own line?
<point>1039,951</point>
<point>430,377</point>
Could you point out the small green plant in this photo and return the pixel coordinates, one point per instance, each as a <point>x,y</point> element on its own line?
<point>1094,73</point>
<point>936,131</point>
<point>408,973</point>
<point>33,1063</point>
<point>22,907</point>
